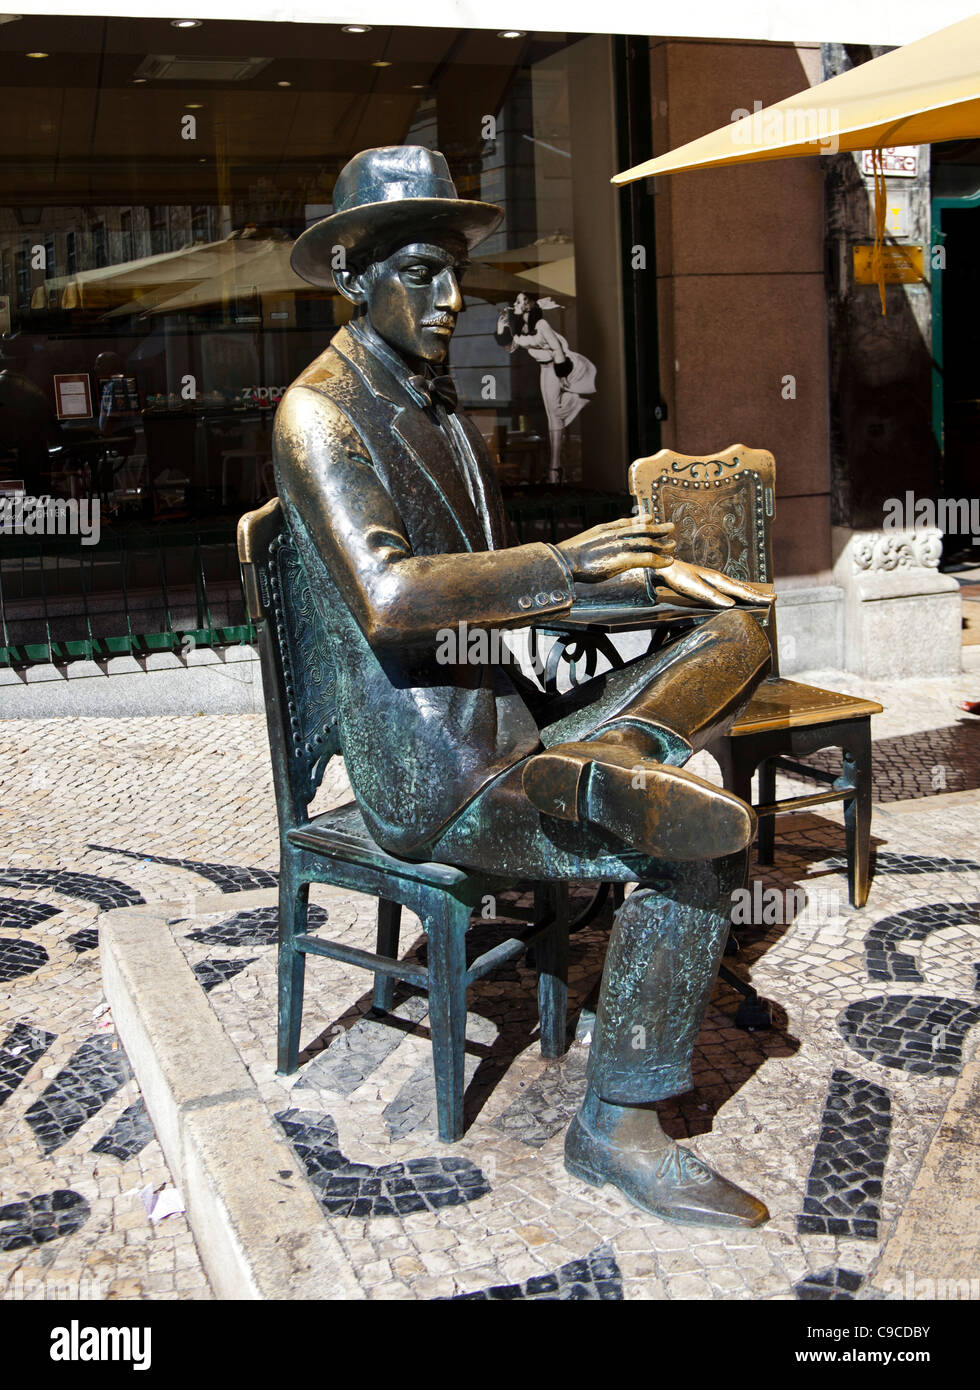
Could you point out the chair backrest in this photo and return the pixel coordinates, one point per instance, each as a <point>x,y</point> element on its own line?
<point>722,506</point>
<point>297,669</point>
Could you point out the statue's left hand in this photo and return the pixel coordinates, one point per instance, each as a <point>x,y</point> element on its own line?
<point>709,586</point>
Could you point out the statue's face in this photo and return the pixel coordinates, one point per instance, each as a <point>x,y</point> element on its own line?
<point>413,297</point>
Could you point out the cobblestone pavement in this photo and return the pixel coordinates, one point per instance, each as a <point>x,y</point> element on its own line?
<point>827,1115</point>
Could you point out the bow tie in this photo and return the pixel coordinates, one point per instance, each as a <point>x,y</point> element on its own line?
<point>432,390</point>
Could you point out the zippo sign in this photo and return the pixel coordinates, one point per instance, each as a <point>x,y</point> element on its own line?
<point>897,161</point>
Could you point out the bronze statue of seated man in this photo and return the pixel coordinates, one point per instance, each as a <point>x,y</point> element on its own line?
<point>394,505</point>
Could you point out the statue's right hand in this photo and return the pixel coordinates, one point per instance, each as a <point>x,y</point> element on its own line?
<point>633,542</point>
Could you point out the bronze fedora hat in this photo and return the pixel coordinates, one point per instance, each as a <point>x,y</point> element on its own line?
<point>383,194</point>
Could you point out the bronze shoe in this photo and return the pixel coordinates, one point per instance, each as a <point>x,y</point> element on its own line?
<point>657,809</point>
<point>625,1145</point>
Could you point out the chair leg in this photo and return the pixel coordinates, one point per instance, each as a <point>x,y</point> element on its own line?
<point>737,762</point>
<point>294,898</point>
<point>857,812</point>
<point>445,922</point>
<point>736,767</point>
<point>766,842</point>
<point>552,959</point>
<point>389,921</point>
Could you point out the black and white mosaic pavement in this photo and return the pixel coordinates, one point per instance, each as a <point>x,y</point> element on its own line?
<point>92,1076</point>
<point>545,1107</point>
<point>104,892</point>
<point>415,1107</point>
<point>750,1113</point>
<point>843,1191</point>
<point>212,972</point>
<point>19,957</point>
<point>131,1132</point>
<point>921,764</point>
<point>259,926</point>
<point>886,861</point>
<point>918,1033</point>
<point>351,1189</point>
<point>884,957</point>
<point>24,1045</point>
<point>87,939</point>
<point>829,1285</point>
<point>40,1219</point>
<point>23,915</point>
<point>229,878</point>
<point>356,1052</point>
<point>596,1278</point>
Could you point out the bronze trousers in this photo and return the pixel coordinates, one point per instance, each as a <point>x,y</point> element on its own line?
<point>668,937</point>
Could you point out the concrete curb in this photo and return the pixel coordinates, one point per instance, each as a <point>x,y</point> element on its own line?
<point>933,1250</point>
<point>259,1229</point>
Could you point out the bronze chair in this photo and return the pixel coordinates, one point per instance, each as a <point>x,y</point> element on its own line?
<point>722,506</point>
<point>336,847</point>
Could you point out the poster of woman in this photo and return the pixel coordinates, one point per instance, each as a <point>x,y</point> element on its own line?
<point>567,377</point>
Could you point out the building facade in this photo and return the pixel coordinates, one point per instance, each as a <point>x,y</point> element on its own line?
<point>157,172</point>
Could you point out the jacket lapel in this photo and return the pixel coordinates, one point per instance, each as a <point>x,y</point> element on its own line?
<point>427,448</point>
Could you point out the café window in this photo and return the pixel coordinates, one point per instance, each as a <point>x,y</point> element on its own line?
<point>167,191</point>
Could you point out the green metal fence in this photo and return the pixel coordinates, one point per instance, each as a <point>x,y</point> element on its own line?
<point>140,590</point>
<point>149,589</point>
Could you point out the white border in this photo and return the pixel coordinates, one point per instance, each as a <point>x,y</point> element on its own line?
<point>839,21</point>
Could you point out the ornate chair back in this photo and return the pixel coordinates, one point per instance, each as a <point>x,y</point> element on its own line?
<point>722,506</point>
<point>297,670</point>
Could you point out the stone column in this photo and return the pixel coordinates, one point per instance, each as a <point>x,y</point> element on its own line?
<point>901,616</point>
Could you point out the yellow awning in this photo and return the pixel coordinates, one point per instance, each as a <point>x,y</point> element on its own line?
<point>924,92</point>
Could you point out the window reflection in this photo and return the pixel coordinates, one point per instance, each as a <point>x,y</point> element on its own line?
<point>154,319</point>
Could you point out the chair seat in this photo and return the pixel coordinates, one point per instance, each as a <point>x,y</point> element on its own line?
<point>341,835</point>
<point>783,704</point>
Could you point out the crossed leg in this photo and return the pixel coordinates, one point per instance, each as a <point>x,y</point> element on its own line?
<point>668,937</point>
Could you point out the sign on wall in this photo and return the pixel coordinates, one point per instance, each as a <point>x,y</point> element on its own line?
<point>897,161</point>
<point>73,396</point>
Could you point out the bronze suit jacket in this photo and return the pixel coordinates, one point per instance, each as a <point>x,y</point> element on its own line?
<point>395,550</point>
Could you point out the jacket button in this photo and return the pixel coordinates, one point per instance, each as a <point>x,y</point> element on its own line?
<point>541,600</point>
<point>557,596</point>
<point>524,601</point>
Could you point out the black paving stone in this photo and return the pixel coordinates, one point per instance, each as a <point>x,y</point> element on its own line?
<point>212,973</point>
<point>87,939</point>
<point>351,1189</point>
<point>829,1285</point>
<point>41,1219</point>
<point>20,1049</point>
<point>22,915</point>
<point>257,927</point>
<point>131,1133</point>
<point>93,1074</point>
<point>848,1161</point>
<point>20,957</point>
<point>898,1031</point>
<point>888,862</point>
<point>104,892</point>
<point>229,878</point>
<point>597,1278</point>
<point>886,961</point>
